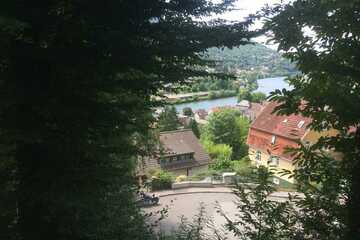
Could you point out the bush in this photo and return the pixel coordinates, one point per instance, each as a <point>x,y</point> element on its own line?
<point>161,180</point>
<point>187,111</point>
<point>212,95</point>
<point>181,178</point>
<point>244,169</point>
<point>258,97</point>
<point>195,98</point>
<point>220,154</point>
<point>200,176</point>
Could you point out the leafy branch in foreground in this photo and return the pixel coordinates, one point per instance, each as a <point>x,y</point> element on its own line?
<point>77,80</point>
<point>322,37</point>
<point>200,228</point>
<point>259,217</point>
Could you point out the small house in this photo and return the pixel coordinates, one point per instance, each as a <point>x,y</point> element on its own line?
<point>180,153</point>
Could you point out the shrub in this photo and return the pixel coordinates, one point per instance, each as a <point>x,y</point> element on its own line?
<point>243,169</point>
<point>212,95</point>
<point>187,111</point>
<point>200,176</point>
<point>161,180</point>
<point>181,178</point>
<point>258,97</point>
<point>220,154</point>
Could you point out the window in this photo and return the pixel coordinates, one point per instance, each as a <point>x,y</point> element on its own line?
<point>300,124</point>
<point>273,139</point>
<point>274,161</point>
<point>183,157</point>
<point>174,159</point>
<point>258,156</point>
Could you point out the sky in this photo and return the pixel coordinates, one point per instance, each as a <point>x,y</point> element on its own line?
<point>246,7</point>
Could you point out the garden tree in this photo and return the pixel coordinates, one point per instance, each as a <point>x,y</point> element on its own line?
<point>194,127</point>
<point>258,97</point>
<point>187,111</point>
<point>244,125</point>
<point>220,155</point>
<point>244,168</point>
<point>212,95</point>
<point>76,82</point>
<point>168,119</point>
<point>244,94</point>
<point>228,127</point>
<point>322,37</point>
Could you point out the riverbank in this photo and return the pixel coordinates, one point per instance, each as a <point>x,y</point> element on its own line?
<point>266,86</point>
<point>194,97</point>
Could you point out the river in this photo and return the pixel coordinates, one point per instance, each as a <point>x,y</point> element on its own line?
<point>266,85</point>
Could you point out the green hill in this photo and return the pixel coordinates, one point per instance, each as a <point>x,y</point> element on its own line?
<point>248,63</point>
<point>256,60</point>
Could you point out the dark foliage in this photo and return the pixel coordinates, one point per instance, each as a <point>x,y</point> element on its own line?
<point>76,80</point>
<point>168,119</point>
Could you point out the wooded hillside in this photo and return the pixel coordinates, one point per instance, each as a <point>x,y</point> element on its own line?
<point>247,63</point>
<point>256,60</point>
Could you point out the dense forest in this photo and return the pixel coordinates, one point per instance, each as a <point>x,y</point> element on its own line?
<point>247,63</point>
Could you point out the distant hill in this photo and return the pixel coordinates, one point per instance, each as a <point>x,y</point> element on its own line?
<point>255,60</point>
<point>248,63</point>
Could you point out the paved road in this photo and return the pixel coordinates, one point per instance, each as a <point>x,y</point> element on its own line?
<point>188,205</point>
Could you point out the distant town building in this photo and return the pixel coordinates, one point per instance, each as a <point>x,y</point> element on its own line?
<point>184,120</point>
<point>221,108</point>
<point>243,105</point>
<point>181,153</point>
<point>201,116</point>
<point>250,109</point>
<point>269,135</point>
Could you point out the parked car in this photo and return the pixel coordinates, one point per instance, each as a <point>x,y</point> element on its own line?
<point>144,200</point>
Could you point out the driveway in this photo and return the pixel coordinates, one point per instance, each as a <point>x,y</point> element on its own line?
<point>187,204</point>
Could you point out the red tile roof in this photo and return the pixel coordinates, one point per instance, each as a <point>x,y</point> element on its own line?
<point>292,126</point>
<point>262,141</point>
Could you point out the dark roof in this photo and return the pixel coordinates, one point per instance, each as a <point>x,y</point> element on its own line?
<point>256,108</point>
<point>176,143</point>
<point>292,126</point>
<point>182,142</point>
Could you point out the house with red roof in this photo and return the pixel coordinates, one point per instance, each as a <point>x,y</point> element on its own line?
<point>270,135</point>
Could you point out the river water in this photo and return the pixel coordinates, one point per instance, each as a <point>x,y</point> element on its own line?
<point>266,85</point>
